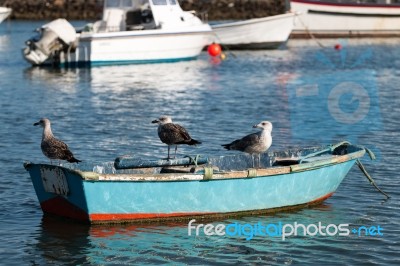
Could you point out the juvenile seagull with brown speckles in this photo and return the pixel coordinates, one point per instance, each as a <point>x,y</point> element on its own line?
<point>53,148</point>
<point>173,134</point>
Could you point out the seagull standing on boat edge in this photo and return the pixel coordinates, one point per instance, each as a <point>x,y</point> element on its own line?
<point>53,148</point>
<point>255,143</point>
<point>173,134</point>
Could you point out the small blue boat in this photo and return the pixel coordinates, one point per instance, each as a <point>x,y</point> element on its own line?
<point>131,189</point>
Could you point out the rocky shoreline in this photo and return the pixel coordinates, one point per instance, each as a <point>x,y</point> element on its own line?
<point>92,9</point>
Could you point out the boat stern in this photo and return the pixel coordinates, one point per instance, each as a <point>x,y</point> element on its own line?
<point>59,190</point>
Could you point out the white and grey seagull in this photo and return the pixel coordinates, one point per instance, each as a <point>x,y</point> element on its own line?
<point>173,134</point>
<point>255,143</point>
<point>53,148</point>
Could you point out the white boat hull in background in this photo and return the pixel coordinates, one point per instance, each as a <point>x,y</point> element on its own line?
<point>129,33</point>
<point>260,33</point>
<point>137,47</point>
<point>4,13</point>
<point>345,20</point>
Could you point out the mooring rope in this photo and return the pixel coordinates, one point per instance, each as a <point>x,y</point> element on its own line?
<point>229,51</point>
<point>370,153</point>
<point>308,31</point>
<point>331,148</point>
<point>371,181</point>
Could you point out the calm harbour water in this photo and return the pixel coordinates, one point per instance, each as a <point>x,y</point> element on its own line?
<point>105,112</point>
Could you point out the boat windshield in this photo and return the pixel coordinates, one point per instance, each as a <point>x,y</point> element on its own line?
<point>126,3</point>
<point>131,3</point>
<point>159,2</point>
<point>123,3</point>
<point>112,3</point>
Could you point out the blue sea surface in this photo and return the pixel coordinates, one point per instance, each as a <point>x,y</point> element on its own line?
<point>313,95</point>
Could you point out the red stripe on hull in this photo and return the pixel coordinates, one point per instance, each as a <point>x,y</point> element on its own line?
<point>321,199</point>
<point>139,216</point>
<point>60,206</point>
<point>99,217</point>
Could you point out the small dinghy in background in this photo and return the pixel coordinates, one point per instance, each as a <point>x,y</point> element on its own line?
<point>135,190</point>
<point>258,33</point>
<point>4,13</point>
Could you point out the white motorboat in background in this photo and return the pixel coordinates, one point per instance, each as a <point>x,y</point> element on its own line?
<point>131,31</point>
<point>333,19</point>
<point>259,33</point>
<point>4,13</point>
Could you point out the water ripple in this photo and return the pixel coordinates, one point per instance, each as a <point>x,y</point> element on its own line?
<point>105,112</point>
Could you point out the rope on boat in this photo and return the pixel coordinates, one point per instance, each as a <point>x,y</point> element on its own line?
<point>194,160</point>
<point>371,181</point>
<point>331,148</point>
<point>370,153</point>
<point>308,31</point>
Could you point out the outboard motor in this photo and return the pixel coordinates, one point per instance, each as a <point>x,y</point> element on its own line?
<point>54,37</point>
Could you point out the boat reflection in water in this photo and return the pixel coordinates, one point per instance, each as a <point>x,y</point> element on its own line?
<point>60,241</point>
<point>166,78</point>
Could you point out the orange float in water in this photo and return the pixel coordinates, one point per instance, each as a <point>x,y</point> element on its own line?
<point>214,49</point>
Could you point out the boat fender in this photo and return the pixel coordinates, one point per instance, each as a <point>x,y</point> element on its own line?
<point>208,173</point>
<point>89,176</point>
<point>251,172</point>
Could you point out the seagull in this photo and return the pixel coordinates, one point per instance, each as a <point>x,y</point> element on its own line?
<point>173,134</point>
<point>255,143</point>
<point>53,148</point>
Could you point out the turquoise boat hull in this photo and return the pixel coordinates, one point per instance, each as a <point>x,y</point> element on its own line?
<point>143,195</point>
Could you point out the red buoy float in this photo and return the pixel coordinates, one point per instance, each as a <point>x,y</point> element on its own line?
<point>214,49</point>
<point>338,46</point>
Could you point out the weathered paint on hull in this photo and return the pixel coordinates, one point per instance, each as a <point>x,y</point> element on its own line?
<point>122,201</point>
<point>60,207</point>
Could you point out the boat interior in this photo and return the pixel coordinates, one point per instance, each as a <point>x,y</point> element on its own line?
<point>125,15</point>
<point>221,164</point>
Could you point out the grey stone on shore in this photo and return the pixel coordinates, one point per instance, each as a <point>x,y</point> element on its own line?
<point>92,9</point>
